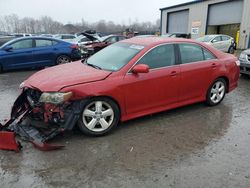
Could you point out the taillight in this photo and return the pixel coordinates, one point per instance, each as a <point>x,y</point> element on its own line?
<point>74,46</point>
<point>237,62</point>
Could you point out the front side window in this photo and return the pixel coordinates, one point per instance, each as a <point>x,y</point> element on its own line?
<point>161,56</point>
<point>22,44</point>
<point>43,43</point>
<point>111,40</point>
<point>217,39</point>
<point>194,53</point>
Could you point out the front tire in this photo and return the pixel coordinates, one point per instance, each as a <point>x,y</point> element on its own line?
<point>99,117</point>
<point>62,59</point>
<point>216,92</point>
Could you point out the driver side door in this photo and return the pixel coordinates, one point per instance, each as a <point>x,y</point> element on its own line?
<point>156,89</point>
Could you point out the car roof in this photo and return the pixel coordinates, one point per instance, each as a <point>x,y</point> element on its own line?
<point>148,41</point>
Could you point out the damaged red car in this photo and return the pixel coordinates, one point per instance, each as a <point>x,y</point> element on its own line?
<point>129,79</point>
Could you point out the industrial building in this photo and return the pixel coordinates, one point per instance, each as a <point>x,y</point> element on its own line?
<point>201,17</point>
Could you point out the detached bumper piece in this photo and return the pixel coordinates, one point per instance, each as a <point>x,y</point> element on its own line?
<point>24,110</point>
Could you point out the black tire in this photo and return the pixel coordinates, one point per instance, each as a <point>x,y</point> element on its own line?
<point>231,50</point>
<point>1,69</point>
<point>245,75</point>
<point>213,90</point>
<point>97,118</point>
<point>62,59</point>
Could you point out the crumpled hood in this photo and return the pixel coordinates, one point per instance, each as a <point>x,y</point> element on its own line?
<point>247,51</point>
<point>60,76</point>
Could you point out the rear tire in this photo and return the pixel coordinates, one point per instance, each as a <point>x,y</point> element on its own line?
<point>216,92</point>
<point>62,59</point>
<point>99,116</point>
<point>231,50</point>
<point>1,69</point>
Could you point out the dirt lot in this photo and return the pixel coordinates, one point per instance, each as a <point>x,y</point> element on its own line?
<point>193,146</point>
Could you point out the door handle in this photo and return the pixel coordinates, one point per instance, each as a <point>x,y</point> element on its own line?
<point>214,65</point>
<point>173,73</point>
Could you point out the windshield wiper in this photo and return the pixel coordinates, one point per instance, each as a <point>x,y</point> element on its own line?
<point>92,65</point>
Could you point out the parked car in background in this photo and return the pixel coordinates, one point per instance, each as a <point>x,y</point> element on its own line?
<point>223,43</point>
<point>177,35</point>
<point>22,35</point>
<point>129,79</point>
<point>4,39</point>
<point>46,35</point>
<point>245,62</point>
<point>65,37</point>
<point>31,52</point>
<point>81,40</point>
<point>99,43</point>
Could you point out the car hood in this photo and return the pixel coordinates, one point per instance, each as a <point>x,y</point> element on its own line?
<point>61,76</point>
<point>92,37</point>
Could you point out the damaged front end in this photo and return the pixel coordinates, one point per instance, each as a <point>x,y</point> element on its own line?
<point>38,117</point>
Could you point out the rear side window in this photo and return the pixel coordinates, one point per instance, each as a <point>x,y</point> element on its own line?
<point>161,56</point>
<point>43,43</point>
<point>22,44</point>
<point>225,38</point>
<point>194,53</point>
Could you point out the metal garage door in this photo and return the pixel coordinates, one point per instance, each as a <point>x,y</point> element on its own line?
<point>225,13</point>
<point>178,22</point>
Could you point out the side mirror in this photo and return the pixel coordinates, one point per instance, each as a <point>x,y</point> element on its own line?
<point>141,68</point>
<point>8,48</point>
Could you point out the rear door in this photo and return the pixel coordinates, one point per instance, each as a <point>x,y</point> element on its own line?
<point>44,53</point>
<point>218,43</point>
<point>157,88</point>
<point>226,43</point>
<point>197,66</point>
<point>20,56</point>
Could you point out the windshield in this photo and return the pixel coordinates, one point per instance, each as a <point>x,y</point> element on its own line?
<point>205,38</point>
<point>114,57</point>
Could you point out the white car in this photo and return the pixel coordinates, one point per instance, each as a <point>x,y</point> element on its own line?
<point>223,43</point>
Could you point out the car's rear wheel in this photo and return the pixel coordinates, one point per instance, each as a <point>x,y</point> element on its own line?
<point>99,116</point>
<point>1,68</point>
<point>62,59</point>
<point>216,92</point>
<point>231,50</point>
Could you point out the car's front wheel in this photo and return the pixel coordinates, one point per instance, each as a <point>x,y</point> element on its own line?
<point>216,92</point>
<point>99,116</point>
<point>62,59</point>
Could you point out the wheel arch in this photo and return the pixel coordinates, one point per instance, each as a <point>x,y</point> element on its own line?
<point>226,80</point>
<point>111,98</point>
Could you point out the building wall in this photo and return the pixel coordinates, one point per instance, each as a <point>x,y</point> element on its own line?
<point>198,13</point>
<point>245,26</point>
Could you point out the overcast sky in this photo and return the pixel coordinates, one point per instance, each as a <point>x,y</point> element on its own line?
<point>71,11</point>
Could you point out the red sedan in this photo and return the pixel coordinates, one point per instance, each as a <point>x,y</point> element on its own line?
<point>128,79</point>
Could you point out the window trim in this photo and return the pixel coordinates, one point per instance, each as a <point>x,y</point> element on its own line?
<point>176,57</point>
<point>202,47</point>
<point>35,46</point>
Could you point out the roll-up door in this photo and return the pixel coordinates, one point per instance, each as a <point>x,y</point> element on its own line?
<point>225,13</point>
<point>178,22</point>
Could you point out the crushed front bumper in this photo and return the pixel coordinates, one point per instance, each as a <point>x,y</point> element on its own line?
<point>39,122</point>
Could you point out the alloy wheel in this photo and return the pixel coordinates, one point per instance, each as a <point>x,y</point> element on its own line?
<point>98,116</point>
<point>217,92</point>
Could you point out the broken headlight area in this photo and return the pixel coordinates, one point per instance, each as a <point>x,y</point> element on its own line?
<point>38,117</point>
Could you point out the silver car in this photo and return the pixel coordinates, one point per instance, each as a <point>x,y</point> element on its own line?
<point>223,43</point>
<point>245,62</point>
